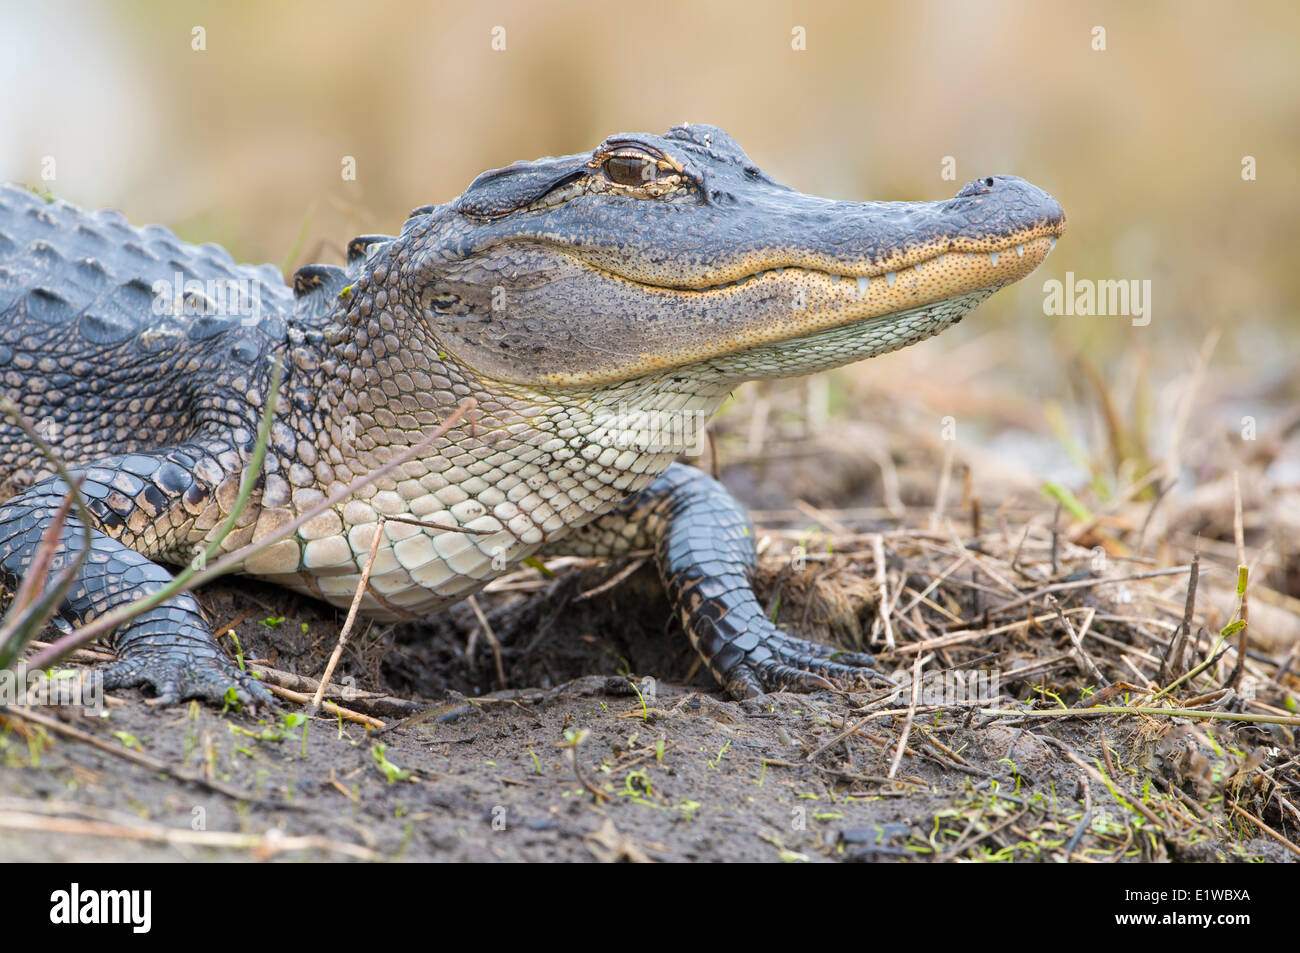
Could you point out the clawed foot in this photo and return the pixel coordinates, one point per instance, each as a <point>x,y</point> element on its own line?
<point>176,676</point>
<point>781,662</point>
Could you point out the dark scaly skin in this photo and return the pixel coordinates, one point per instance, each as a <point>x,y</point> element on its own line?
<point>170,647</point>
<point>704,549</point>
<point>570,297</point>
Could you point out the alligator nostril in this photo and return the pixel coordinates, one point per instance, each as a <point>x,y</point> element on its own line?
<point>978,187</point>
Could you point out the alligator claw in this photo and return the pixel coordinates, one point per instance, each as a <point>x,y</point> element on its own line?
<point>784,663</point>
<point>176,678</point>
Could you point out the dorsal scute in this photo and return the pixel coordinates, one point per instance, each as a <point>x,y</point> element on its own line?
<point>65,267</point>
<point>319,279</point>
<point>360,246</point>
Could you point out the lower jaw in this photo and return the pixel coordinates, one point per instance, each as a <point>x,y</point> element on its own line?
<point>844,344</point>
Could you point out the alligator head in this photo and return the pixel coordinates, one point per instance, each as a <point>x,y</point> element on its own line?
<point>655,253</point>
<point>658,272</point>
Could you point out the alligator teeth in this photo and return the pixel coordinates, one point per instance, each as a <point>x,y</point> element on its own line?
<point>938,259</point>
<point>781,269</point>
<point>889,278</point>
<point>1052,245</point>
<point>1020,251</point>
<point>993,256</point>
<point>862,285</point>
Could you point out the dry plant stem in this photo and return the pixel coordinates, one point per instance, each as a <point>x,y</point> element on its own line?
<point>1266,829</point>
<point>597,795</point>
<point>415,521</point>
<point>1214,656</point>
<point>1243,610</point>
<point>1084,584</point>
<point>1131,802</point>
<point>34,578</point>
<point>911,715</point>
<point>1015,559</point>
<point>882,590</point>
<point>351,619</point>
<point>259,845</point>
<point>20,625</point>
<point>347,714</point>
<point>714,469</point>
<point>1173,463</point>
<point>964,845</point>
<point>135,757</point>
<point>945,477</point>
<point>613,580</point>
<point>1164,488</point>
<point>937,581</point>
<point>980,564</point>
<point>961,636</point>
<point>1076,638</point>
<point>1056,540</point>
<point>111,620</point>
<point>758,422</point>
<point>821,517</point>
<point>1100,710</point>
<point>491,637</point>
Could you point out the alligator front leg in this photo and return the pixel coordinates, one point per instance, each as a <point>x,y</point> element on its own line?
<point>704,548</point>
<point>147,500</point>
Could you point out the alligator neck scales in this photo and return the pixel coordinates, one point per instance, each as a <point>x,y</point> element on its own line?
<point>597,307</point>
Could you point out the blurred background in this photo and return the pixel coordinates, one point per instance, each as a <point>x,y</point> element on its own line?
<point>1139,118</point>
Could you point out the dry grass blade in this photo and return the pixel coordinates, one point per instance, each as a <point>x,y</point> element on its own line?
<point>28,614</point>
<point>261,846</point>
<point>351,619</point>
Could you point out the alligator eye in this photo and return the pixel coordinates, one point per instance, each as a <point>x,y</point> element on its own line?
<point>630,170</point>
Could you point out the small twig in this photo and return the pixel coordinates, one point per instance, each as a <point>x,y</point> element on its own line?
<point>1132,802</point>
<point>1161,489</point>
<point>911,715</point>
<point>260,846</point>
<point>347,714</point>
<point>1076,638</point>
<point>1194,713</point>
<point>713,454</point>
<point>882,590</point>
<point>612,581</point>
<point>1056,540</point>
<point>491,636</point>
<point>416,521</point>
<point>1266,829</point>
<point>941,493</point>
<point>1243,609</point>
<point>352,617</point>
<point>1084,584</point>
<point>1172,663</point>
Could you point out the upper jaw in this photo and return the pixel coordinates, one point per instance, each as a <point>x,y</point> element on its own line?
<point>766,227</point>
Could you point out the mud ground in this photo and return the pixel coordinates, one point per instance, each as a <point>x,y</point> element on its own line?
<point>582,758</point>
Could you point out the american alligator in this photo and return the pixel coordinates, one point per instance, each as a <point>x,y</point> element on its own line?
<point>581,301</point>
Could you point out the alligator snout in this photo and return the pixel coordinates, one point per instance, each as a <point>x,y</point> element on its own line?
<point>1010,198</point>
